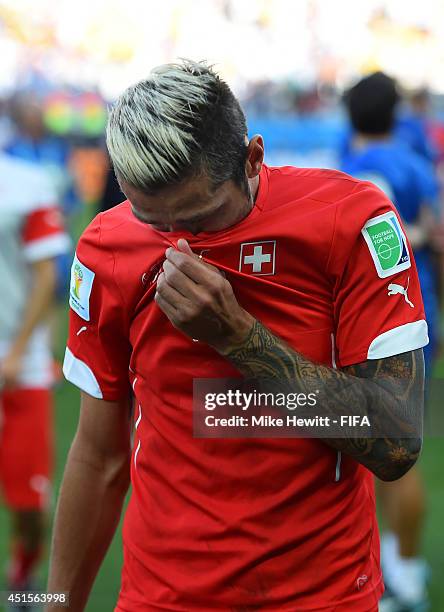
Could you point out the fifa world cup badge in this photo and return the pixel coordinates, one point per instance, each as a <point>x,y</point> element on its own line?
<point>82,279</point>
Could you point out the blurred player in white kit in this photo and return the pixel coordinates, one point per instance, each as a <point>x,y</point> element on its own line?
<point>31,236</point>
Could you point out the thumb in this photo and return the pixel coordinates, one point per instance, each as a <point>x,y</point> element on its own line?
<point>184,247</point>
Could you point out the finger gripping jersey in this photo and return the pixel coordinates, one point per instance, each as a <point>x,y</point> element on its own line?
<point>236,524</point>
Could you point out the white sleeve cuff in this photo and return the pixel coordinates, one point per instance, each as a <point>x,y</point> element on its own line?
<point>44,248</point>
<point>81,375</point>
<point>401,339</point>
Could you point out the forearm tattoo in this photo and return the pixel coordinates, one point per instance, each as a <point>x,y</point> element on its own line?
<point>388,391</point>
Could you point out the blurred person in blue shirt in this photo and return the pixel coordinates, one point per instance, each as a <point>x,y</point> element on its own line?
<point>374,152</point>
<point>31,141</point>
<point>413,125</point>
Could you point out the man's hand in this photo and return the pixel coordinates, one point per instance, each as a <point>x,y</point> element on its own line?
<point>199,300</point>
<point>10,368</point>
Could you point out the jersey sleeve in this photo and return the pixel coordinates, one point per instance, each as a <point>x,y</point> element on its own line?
<point>43,234</point>
<point>378,309</point>
<point>43,231</point>
<point>98,349</point>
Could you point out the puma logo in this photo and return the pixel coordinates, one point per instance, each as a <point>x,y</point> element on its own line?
<point>394,289</point>
<point>361,581</point>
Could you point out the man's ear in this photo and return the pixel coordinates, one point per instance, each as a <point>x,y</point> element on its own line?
<point>255,156</point>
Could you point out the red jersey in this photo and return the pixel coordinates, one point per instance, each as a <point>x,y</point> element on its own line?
<point>246,524</point>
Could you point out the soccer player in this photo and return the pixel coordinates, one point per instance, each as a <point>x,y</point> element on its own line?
<point>409,180</point>
<point>31,236</point>
<point>219,266</point>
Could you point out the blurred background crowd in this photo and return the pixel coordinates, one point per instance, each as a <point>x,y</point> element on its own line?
<point>289,62</point>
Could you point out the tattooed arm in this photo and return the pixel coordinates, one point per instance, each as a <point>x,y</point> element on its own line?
<point>200,302</point>
<point>388,391</point>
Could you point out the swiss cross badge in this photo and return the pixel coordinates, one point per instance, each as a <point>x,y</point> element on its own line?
<point>258,258</point>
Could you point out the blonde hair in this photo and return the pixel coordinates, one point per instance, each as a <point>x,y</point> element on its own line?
<point>174,124</point>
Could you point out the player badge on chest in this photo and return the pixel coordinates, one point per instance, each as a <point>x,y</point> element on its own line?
<point>258,258</point>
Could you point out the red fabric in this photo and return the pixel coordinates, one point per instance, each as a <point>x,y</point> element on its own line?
<point>229,524</point>
<point>22,566</point>
<point>42,223</point>
<point>26,447</point>
<point>133,597</point>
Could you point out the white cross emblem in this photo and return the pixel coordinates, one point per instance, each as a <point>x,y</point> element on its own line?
<point>258,257</point>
